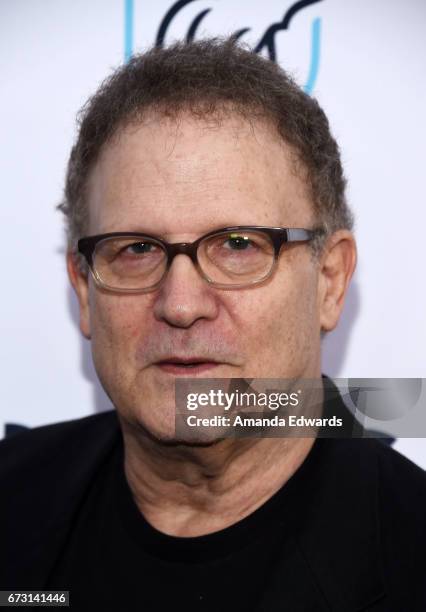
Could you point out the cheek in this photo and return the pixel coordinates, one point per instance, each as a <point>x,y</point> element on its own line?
<point>117,323</point>
<point>281,327</point>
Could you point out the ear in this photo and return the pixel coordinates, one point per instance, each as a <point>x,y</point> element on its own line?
<point>337,264</point>
<point>79,281</point>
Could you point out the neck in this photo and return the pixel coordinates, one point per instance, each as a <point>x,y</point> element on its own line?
<point>192,491</point>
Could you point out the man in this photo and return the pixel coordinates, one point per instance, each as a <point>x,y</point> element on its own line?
<point>209,144</point>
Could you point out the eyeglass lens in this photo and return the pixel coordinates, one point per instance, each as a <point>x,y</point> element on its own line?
<point>235,258</point>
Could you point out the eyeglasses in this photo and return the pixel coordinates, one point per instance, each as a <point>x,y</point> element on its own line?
<point>229,258</point>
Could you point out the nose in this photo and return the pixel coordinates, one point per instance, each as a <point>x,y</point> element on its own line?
<point>185,297</point>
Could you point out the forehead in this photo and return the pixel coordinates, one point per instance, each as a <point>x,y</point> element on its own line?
<point>186,176</point>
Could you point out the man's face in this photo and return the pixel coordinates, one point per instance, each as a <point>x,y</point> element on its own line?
<point>179,180</point>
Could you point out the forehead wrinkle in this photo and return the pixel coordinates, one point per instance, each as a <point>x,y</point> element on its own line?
<point>254,179</point>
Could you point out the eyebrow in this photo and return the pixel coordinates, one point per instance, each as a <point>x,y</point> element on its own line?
<point>134,230</point>
<point>163,236</point>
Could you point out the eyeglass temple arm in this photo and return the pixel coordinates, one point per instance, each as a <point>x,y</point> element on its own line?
<point>299,235</point>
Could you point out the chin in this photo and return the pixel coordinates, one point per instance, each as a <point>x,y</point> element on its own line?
<point>163,426</point>
<point>175,436</point>
<point>188,443</point>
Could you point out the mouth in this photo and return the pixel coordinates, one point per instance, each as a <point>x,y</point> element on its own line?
<point>186,367</point>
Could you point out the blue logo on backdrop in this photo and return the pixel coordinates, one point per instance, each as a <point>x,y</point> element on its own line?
<point>266,43</point>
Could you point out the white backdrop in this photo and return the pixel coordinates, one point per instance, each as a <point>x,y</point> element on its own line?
<point>365,61</point>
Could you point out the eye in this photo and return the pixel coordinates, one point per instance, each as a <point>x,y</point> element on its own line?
<point>140,248</point>
<point>238,243</point>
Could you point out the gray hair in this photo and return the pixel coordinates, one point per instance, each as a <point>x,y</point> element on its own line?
<point>204,78</point>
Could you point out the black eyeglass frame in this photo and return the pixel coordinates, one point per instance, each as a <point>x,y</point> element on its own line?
<point>278,236</point>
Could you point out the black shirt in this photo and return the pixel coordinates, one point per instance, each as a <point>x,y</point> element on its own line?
<point>347,533</point>
<point>115,559</point>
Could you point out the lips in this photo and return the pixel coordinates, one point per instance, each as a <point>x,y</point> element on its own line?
<point>186,361</point>
<point>186,366</point>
